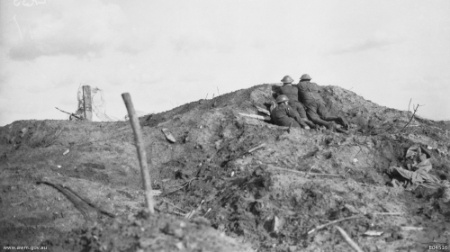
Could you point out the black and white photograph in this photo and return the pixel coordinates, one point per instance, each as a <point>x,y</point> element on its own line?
<point>224,125</point>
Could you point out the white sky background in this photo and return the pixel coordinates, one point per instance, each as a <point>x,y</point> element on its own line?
<point>166,53</point>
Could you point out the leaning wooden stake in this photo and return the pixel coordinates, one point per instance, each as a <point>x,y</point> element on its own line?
<point>140,150</point>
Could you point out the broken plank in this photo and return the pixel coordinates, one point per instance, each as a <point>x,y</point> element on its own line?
<point>253,116</point>
<point>168,135</point>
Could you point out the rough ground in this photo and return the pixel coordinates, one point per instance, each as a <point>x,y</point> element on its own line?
<point>243,201</point>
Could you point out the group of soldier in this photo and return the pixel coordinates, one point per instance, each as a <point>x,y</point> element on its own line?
<point>301,105</point>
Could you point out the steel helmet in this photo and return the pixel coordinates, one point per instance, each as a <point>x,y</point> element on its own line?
<point>287,79</point>
<point>305,77</point>
<point>282,98</point>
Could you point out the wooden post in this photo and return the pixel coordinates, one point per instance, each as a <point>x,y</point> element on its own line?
<point>140,150</point>
<point>87,102</point>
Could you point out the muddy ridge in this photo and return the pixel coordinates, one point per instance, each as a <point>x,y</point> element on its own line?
<point>76,186</point>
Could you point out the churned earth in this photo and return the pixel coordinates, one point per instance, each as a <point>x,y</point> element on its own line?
<point>76,185</point>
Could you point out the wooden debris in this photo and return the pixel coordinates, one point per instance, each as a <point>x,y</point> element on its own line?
<point>271,167</point>
<point>411,118</point>
<point>253,116</point>
<point>408,228</point>
<point>350,218</point>
<point>256,148</point>
<point>71,114</point>
<point>66,152</point>
<point>349,240</point>
<point>187,183</point>
<point>276,224</point>
<point>175,206</point>
<point>373,233</point>
<point>84,205</point>
<point>168,135</point>
<point>243,153</point>
<point>194,211</point>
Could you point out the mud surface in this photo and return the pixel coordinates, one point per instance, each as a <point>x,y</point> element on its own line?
<point>271,199</point>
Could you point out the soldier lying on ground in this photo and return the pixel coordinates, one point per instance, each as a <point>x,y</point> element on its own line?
<point>415,170</point>
<point>308,94</point>
<point>291,92</point>
<point>284,115</point>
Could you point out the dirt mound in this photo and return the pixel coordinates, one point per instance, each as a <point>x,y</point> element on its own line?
<point>145,232</point>
<point>271,198</point>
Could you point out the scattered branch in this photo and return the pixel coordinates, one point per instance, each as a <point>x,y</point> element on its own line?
<point>349,240</point>
<point>302,172</point>
<point>173,205</point>
<point>334,222</point>
<point>309,171</point>
<point>411,118</point>
<point>84,205</point>
<point>409,228</point>
<point>349,218</point>
<point>71,114</point>
<point>187,183</point>
<point>256,148</point>
<point>194,211</point>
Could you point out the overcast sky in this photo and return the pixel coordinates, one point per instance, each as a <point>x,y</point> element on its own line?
<point>166,53</point>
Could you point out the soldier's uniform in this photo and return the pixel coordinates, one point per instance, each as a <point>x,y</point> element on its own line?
<point>418,165</point>
<point>292,93</point>
<point>284,115</point>
<point>308,94</point>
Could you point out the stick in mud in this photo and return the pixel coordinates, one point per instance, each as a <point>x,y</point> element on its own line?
<point>349,240</point>
<point>271,167</point>
<point>256,148</point>
<point>140,151</point>
<point>83,204</point>
<point>349,218</point>
<point>411,118</point>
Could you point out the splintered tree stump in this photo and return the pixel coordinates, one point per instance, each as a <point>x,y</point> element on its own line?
<point>87,102</point>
